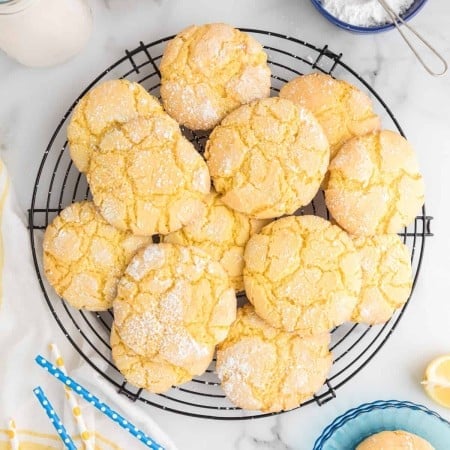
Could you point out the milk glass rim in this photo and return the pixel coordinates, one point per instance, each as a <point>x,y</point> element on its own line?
<point>9,7</point>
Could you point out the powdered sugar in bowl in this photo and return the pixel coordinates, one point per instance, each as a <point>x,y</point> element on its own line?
<point>365,16</point>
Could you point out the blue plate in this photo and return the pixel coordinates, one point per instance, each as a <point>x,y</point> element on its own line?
<point>408,14</point>
<point>348,430</point>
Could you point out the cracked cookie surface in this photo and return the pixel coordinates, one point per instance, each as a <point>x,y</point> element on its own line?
<point>267,369</point>
<point>147,178</point>
<point>267,158</point>
<point>84,257</point>
<point>394,440</point>
<point>342,109</point>
<point>209,70</point>
<point>302,274</point>
<point>155,375</point>
<point>102,113</point>
<point>222,233</point>
<point>175,304</point>
<point>375,186</point>
<point>386,277</point>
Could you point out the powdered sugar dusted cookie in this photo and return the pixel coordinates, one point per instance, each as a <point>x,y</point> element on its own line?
<point>386,277</point>
<point>394,440</point>
<point>222,233</point>
<point>302,274</point>
<point>267,369</point>
<point>101,114</point>
<point>342,110</point>
<point>154,374</point>
<point>150,187</point>
<point>268,158</point>
<point>174,303</point>
<point>375,185</point>
<point>84,256</point>
<point>209,70</point>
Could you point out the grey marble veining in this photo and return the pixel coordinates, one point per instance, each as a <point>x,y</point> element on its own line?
<point>33,101</point>
<point>273,438</point>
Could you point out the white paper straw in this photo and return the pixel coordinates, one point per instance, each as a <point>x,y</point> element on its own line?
<point>86,437</point>
<point>12,434</point>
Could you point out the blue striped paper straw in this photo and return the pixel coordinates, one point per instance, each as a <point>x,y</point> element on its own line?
<point>98,404</point>
<point>54,418</point>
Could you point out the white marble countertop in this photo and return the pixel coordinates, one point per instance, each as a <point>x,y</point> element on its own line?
<point>32,102</point>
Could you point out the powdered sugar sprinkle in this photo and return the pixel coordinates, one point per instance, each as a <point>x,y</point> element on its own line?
<point>364,13</point>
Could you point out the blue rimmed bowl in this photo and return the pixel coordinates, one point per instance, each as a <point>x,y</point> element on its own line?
<point>415,7</point>
<point>349,429</point>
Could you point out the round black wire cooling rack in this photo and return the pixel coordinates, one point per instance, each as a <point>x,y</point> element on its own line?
<point>58,183</point>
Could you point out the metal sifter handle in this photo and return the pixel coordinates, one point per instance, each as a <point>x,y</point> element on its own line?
<point>396,19</point>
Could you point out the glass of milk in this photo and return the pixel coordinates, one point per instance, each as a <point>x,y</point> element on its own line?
<point>42,33</point>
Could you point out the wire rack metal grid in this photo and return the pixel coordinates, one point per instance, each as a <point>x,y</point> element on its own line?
<point>58,184</point>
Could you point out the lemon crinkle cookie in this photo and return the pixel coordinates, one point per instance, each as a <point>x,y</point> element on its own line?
<point>386,277</point>
<point>153,186</point>
<point>342,110</point>
<point>267,158</point>
<point>174,304</point>
<point>84,256</point>
<point>101,116</point>
<point>375,186</point>
<point>155,374</point>
<point>209,70</point>
<point>267,369</point>
<point>394,440</point>
<point>221,232</point>
<point>302,274</point>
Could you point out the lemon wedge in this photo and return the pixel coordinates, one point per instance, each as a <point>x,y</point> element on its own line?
<point>437,380</point>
